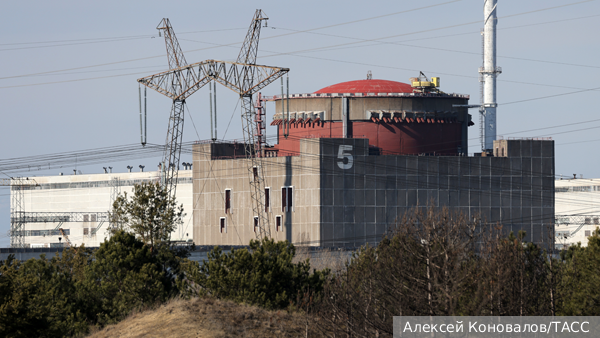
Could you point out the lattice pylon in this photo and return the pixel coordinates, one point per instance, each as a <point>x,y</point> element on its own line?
<point>255,168</point>
<point>17,239</point>
<point>172,152</point>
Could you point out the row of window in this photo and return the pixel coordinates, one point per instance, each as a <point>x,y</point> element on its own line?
<point>586,188</point>
<point>287,199</point>
<point>89,231</point>
<point>41,232</point>
<point>567,234</point>
<point>278,224</point>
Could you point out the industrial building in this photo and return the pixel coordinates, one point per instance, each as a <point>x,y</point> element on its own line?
<point>354,158</point>
<point>577,211</point>
<point>349,160</point>
<point>354,161</point>
<point>79,205</point>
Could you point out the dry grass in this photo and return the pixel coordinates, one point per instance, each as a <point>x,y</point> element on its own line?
<point>210,318</point>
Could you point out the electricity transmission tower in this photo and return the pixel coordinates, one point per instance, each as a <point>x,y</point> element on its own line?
<point>17,208</point>
<point>174,85</point>
<point>245,78</point>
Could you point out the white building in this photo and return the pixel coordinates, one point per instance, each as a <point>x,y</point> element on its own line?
<point>577,205</point>
<point>79,205</point>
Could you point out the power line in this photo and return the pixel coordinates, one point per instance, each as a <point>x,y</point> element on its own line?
<point>521,219</point>
<point>222,45</point>
<point>135,151</point>
<point>72,44</point>
<point>549,96</point>
<point>124,152</point>
<point>56,82</point>
<point>107,39</point>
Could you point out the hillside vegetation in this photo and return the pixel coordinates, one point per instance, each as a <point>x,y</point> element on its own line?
<point>431,262</point>
<point>209,318</point>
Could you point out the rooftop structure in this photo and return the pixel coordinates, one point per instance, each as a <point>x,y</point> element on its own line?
<point>396,118</point>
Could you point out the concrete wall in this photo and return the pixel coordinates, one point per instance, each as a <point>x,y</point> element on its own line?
<point>213,177</point>
<point>360,203</point>
<point>348,203</point>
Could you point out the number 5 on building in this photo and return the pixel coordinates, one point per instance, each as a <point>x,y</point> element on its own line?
<point>344,153</point>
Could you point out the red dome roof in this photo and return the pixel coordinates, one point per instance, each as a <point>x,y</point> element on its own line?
<point>368,86</point>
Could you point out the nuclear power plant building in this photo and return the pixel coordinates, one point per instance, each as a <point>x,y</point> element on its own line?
<point>352,158</point>
<point>348,162</point>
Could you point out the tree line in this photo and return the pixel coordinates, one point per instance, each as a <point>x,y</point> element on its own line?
<point>432,262</point>
<point>435,262</point>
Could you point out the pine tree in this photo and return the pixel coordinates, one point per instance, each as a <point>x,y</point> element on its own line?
<point>264,275</point>
<point>124,275</point>
<point>150,214</point>
<point>581,278</point>
<point>41,300</point>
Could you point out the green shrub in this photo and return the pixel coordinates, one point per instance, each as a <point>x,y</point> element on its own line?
<point>264,275</point>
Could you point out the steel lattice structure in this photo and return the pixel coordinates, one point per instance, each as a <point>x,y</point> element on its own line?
<point>176,84</point>
<point>576,220</point>
<point>61,217</point>
<point>244,77</point>
<point>17,208</point>
<point>174,52</point>
<point>56,217</point>
<point>197,75</point>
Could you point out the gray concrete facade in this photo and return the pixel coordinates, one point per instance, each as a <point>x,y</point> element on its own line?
<point>344,197</point>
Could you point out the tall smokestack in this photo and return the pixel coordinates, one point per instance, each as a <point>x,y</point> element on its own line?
<point>489,72</point>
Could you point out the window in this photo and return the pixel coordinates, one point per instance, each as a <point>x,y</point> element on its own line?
<point>227,201</point>
<point>255,173</point>
<point>86,218</point>
<point>267,199</point>
<point>86,231</point>
<point>93,217</point>
<point>278,223</point>
<point>588,220</point>
<point>596,220</point>
<point>255,223</point>
<point>223,225</point>
<point>283,199</point>
<point>588,233</point>
<point>287,199</point>
<point>290,200</point>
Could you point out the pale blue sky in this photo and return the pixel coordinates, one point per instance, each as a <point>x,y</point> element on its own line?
<point>546,49</point>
